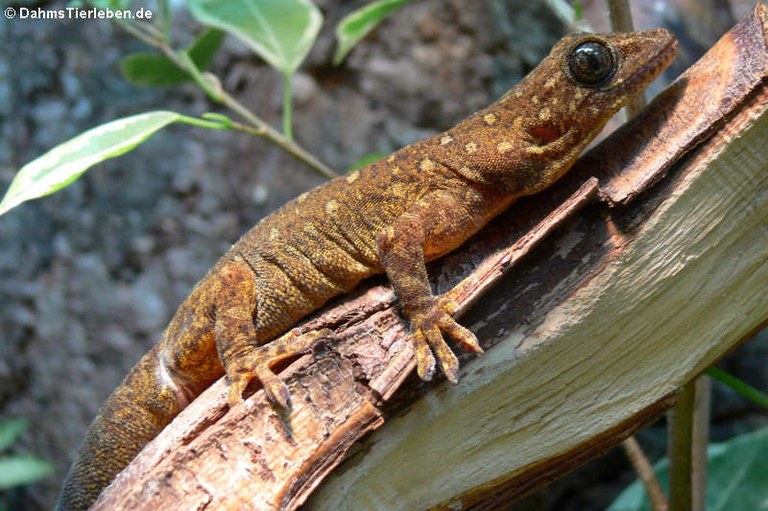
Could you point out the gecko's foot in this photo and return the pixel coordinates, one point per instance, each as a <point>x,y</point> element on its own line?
<point>276,390</point>
<point>431,349</point>
<point>256,364</point>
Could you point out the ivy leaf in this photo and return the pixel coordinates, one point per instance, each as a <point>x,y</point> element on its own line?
<point>356,25</point>
<point>66,162</point>
<point>280,31</point>
<point>10,430</point>
<point>155,70</point>
<point>21,470</point>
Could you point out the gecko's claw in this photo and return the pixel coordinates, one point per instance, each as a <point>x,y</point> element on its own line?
<point>276,390</point>
<point>430,347</point>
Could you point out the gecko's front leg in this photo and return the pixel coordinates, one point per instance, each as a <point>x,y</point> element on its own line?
<point>427,227</point>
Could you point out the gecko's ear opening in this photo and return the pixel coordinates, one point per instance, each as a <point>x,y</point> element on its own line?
<point>544,134</point>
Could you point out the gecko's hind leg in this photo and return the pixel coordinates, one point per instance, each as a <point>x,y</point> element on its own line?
<point>244,352</point>
<point>257,363</point>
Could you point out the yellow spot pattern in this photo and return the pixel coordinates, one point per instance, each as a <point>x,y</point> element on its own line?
<point>352,176</point>
<point>427,165</point>
<point>331,206</point>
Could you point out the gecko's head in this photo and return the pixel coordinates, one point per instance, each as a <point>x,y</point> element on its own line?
<point>570,96</point>
<point>602,72</point>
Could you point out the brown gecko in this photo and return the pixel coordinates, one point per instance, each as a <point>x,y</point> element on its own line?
<point>390,217</point>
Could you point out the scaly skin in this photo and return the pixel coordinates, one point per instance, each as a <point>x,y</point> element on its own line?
<point>391,217</point>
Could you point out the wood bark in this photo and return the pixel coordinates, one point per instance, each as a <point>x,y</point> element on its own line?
<point>602,318</point>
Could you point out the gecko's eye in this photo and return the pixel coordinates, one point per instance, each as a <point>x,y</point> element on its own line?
<point>591,63</point>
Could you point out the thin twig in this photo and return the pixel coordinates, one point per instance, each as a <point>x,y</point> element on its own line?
<point>621,21</point>
<point>647,476</point>
<point>701,416</point>
<point>216,93</point>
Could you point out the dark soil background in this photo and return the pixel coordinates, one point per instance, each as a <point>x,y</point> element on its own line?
<point>90,276</point>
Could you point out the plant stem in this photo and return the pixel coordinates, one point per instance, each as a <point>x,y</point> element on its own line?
<point>621,15</point>
<point>739,386</point>
<point>266,131</point>
<point>645,472</point>
<point>287,107</point>
<point>621,21</point>
<point>701,415</point>
<point>215,92</point>
<point>204,123</point>
<point>680,433</point>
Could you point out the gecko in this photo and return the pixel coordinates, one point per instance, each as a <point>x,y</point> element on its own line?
<point>391,217</point>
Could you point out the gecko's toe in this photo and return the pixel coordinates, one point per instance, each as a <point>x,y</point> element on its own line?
<point>425,360</point>
<point>234,394</point>
<point>464,337</point>
<point>277,391</point>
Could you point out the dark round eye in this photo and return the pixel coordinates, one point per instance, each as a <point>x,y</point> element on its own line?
<point>591,63</point>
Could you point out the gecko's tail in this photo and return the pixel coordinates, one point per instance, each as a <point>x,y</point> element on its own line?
<point>132,416</point>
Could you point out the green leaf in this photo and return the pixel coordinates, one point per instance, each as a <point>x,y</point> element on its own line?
<point>365,160</point>
<point>164,18</point>
<point>21,470</point>
<point>65,163</point>
<point>280,31</point>
<point>10,430</point>
<point>357,24</point>
<point>154,70</point>
<point>736,476</point>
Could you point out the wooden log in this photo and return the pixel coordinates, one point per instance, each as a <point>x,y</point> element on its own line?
<point>601,320</point>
